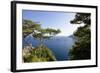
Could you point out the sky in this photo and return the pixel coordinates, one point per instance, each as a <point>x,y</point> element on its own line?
<point>51,19</point>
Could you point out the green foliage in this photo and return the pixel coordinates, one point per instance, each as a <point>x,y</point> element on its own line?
<point>45,33</point>
<point>82,18</point>
<point>37,31</point>
<point>40,54</point>
<point>29,27</point>
<point>82,47</point>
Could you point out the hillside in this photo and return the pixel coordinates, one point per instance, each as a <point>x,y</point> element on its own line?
<point>39,54</point>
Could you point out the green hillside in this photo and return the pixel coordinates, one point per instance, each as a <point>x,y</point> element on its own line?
<point>38,54</point>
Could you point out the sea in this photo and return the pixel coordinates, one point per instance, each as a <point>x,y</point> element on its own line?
<point>59,45</point>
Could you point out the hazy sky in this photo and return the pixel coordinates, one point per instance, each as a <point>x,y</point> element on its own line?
<point>55,20</point>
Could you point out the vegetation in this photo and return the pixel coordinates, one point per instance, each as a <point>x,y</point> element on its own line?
<point>29,27</point>
<point>82,48</point>
<point>40,53</point>
<point>47,33</point>
<point>37,31</point>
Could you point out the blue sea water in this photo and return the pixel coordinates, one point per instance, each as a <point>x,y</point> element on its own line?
<point>59,45</point>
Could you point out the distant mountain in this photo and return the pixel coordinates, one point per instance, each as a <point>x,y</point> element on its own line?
<point>72,36</point>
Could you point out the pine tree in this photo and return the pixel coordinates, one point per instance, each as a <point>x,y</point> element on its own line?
<point>82,48</point>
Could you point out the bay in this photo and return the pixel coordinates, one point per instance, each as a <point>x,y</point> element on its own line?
<point>59,45</point>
